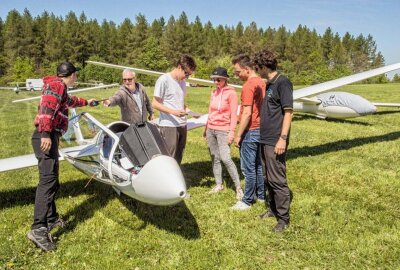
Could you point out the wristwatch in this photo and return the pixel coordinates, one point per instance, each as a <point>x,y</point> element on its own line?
<point>284,137</point>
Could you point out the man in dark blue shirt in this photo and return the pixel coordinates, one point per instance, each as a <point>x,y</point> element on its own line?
<point>276,117</point>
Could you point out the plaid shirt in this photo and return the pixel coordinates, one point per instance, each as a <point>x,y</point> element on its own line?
<point>53,107</point>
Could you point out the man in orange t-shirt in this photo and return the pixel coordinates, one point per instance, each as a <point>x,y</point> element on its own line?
<point>248,134</point>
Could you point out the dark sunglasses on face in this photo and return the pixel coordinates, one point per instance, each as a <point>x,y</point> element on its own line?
<point>187,74</point>
<point>127,79</point>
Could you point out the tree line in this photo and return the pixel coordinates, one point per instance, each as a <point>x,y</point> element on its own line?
<point>33,46</point>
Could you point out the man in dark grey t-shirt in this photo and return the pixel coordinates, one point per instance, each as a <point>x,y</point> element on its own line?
<point>276,117</point>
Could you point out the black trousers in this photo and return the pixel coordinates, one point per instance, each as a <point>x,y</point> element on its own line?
<point>279,194</point>
<point>175,138</point>
<point>45,207</point>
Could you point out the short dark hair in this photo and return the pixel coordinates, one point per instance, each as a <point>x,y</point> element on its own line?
<point>265,58</point>
<point>243,60</point>
<point>66,68</point>
<point>186,61</point>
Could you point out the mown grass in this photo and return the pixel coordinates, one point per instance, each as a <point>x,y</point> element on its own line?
<point>345,212</point>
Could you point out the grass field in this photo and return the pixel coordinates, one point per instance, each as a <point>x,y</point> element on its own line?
<point>345,213</point>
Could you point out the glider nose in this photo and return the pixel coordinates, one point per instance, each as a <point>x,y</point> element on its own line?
<point>160,182</point>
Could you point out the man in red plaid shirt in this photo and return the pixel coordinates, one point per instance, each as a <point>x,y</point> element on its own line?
<point>51,122</point>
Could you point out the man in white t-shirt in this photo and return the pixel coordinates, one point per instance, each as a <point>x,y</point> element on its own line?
<point>169,99</point>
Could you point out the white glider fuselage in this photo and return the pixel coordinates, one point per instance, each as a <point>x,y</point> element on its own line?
<point>158,182</point>
<point>337,105</point>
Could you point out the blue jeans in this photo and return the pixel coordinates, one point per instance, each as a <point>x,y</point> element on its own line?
<point>250,163</point>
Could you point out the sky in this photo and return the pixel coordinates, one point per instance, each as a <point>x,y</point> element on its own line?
<point>379,18</point>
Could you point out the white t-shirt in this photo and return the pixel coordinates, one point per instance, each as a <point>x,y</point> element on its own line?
<point>172,94</point>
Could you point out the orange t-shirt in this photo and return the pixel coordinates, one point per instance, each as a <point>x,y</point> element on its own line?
<point>253,92</point>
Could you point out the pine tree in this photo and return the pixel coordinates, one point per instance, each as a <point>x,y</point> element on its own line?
<point>52,40</point>
<point>223,41</point>
<point>27,32</point>
<point>237,40</point>
<point>371,52</point>
<point>1,36</point>
<point>37,53</point>
<point>81,48</point>
<point>123,44</point>
<point>197,39</point>
<point>267,38</point>
<point>338,54</point>
<point>360,54</point>
<point>251,41</point>
<point>396,78</point>
<point>2,58</point>
<point>138,38</point>
<point>183,34</point>
<point>157,29</point>
<point>13,37</point>
<point>93,31</point>
<point>327,47</point>
<point>210,41</point>
<point>280,42</point>
<point>168,41</point>
<point>70,38</point>
<point>347,42</point>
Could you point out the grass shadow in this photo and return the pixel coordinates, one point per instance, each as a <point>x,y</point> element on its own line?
<point>339,145</point>
<point>196,172</point>
<point>176,218</point>
<point>301,117</point>
<point>26,196</point>
<point>387,112</point>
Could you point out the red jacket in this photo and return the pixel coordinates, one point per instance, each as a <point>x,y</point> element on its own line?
<point>53,107</point>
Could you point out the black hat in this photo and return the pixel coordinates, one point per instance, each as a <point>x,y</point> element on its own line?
<point>66,68</point>
<point>220,72</point>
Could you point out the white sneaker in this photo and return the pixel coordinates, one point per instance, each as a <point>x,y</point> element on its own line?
<point>260,201</point>
<point>217,189</point>
<point>241,206</point>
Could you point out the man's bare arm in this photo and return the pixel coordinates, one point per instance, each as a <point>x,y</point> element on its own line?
<point>244,123</point>
<point>280,146</point>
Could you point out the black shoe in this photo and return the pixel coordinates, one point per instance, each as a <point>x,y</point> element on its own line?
<point>41,238</point>
<point>59,222</point>
<point>267,214</point>
<point>280,226</point>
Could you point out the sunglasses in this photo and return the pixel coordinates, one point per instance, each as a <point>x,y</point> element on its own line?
<point>187,73</point>
<point>127,79</point>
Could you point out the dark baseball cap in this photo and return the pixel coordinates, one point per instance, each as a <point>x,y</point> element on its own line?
<point>220,72</point>
<point>65,69</point>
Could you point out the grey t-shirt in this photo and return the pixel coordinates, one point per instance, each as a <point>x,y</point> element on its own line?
<point>172,94</point>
